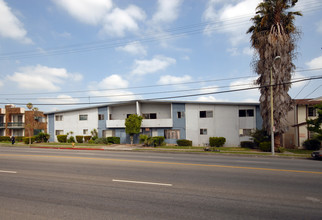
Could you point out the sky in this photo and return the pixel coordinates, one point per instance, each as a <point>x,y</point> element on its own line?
<point>60,54</point>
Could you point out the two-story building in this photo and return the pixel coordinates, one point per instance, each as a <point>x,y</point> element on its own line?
<point>17,121</point>
<point>196,121</point>
<point>297,133</point>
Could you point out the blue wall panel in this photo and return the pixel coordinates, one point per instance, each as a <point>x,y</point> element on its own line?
<point>102,123</point>
<point>51,127</point>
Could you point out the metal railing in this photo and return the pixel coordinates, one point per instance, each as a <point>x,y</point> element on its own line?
<point>16,125</point>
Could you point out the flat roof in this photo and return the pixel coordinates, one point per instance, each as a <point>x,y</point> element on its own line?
<point>154,101</point>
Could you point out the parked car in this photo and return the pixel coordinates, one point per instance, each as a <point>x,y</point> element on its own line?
<point>317,154</point>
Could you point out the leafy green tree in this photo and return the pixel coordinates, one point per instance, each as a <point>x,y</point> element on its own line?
<point>274,34</point>
<point>133,125</point>
<point>315,124</point>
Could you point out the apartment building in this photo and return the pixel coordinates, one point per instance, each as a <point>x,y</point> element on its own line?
<point>297,133</point>
<point>19,122</point>
<point>196,121</point>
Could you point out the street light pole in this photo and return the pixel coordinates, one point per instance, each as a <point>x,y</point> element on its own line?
<point>272,110</point>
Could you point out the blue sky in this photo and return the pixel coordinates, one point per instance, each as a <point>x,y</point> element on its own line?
<point>81,51</point>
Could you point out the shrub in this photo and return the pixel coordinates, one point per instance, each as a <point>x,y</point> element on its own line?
<point>71,139</point>
<point>4,138</point>
<point>158,140</point>
<point>143,138</point>
<point>247,144</point>
<point>113,140</point>
<point>91,141</point>
<point>184,142</point>
<point>87,138</point>
<point>259,136</point>
<point>26,140</point>
<point>42,137</point>
<point>280,150</point>
<point>19,138</point>
<point>62,138</point>
<point>101,141</point>
<point>146,140</point>
<point>312,144</point>
<point>79,138</point>
<point>217,141</point>
<point>265,146</point>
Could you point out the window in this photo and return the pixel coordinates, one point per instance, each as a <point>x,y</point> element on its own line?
<point>246,113</point>
<point>180,114</point>
<point>245,132</point>
<point>85,131</point>
<point>58,117</point>
<point>203,131</point>
<point>311,112</point>
<point>206,114</point>
<point>59,132</point>
<point>172,134</point>
<point>150,116</point>
<point>100,117</point>
<point>83,117</point>
<point>40,119</point>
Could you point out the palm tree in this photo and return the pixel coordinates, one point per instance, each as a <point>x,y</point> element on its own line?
<point>274,34</point>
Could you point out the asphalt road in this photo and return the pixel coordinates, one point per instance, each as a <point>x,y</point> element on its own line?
<point>67,184</point>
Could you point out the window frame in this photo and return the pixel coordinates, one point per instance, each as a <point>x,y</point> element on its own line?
<point>82,117</point>
<point>172,134</point>
<point>59,132</point>
<point>243,113</point>
<point>59,117</point>
<point>101,117</point>
<point>311,112</point>
<point>203,131</point>
<point>206,114</point>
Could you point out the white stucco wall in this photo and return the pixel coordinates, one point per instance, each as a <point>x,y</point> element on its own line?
<point>224,123</point>
<point>72,123</point>
<point>120,112</point>
<point>163,111</point>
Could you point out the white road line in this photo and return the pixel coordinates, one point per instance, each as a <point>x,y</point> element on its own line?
<point>7,171</point>
<point>139,182</point>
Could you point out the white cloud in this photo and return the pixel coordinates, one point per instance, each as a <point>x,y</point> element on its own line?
<point>119,21</point>
<point>296,77</point>
<point>233,51</point>
<point>315,63</point>
<point>134,48</point>
<point>158,63</point>
<point>167,79</point>
<point>208,98</point>
<point>245,84</point>
<point>87,11</point>
<point>168,11</point>
<point>112,21</point>
<point>319,27</point>
<point>61,99</point>
<point>231,18</point>
<point>10,26</point>
<point>112,88</point>
<point>41,78</point>
<point>248,51</point>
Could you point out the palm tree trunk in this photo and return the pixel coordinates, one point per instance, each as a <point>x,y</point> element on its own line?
<point>277,140</point>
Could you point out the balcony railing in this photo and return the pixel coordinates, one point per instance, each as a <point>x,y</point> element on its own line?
<point>2,125</point>
<point>16,125</point>
<point>146,123</point>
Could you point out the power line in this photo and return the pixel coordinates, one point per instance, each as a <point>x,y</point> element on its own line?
<point>184,96</point>
<point>149,37</point>
<point>136,94</point>
<point>142,87</point>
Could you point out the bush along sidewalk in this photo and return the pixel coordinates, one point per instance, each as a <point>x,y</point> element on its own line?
<point>214,143</point>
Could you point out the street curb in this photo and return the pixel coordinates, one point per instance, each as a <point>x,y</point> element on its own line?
<point>68,148</point>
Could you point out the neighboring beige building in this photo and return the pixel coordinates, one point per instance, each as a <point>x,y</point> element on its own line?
<point>303,110</point>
